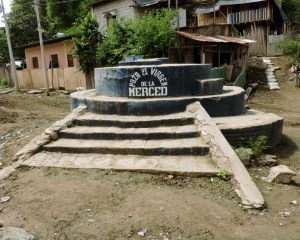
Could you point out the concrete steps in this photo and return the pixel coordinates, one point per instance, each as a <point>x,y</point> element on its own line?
<point>117,133</point>
<point>189,165</point>
<point>170,137</point>
<point>185,146</point>
<point>125,121</point>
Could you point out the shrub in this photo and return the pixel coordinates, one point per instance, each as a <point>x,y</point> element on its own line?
<point>4,82</point>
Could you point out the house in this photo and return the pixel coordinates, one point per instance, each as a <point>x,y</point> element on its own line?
<point>106,10</point>
<point>61,65</point>
<point>259,20</point>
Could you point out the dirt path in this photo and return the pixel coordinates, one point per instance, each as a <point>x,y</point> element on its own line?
<point>91,204</point>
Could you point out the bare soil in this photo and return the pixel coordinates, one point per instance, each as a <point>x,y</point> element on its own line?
<point>93,204</point>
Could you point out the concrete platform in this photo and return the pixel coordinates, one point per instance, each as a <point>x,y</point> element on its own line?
<point>229,103</point>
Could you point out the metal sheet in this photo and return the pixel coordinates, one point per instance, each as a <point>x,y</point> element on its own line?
<point>216,39</point>
<point>207,8</point>
<point>145,3</point>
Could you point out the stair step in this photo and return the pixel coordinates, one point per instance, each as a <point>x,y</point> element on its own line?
<point>167,132</point>
<point>93,119</point>
<point>190,165</point>
<point>186,146</point>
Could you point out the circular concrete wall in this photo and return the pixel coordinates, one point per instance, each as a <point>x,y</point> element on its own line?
<point>151,81</point>
<point>230,103</point>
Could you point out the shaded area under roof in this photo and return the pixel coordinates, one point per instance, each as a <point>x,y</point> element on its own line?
<point>215,39</point>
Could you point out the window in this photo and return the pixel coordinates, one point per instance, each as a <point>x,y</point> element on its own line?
<point>54,61</point>
<point>35,62</point>
<point>70,60</point>
<point>110,16</point>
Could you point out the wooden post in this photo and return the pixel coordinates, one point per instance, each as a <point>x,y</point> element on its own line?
<point>42,47</point>
<point>177,14</point>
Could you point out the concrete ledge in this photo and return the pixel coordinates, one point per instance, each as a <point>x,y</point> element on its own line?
<point>209,86</point>
<point>225,157</point>
<point>251,125</point>
<point>229,103</point>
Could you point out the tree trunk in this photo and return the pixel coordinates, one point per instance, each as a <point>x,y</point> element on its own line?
<point>90,80</point>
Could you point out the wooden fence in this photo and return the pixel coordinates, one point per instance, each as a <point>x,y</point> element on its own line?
<point>59,78</point>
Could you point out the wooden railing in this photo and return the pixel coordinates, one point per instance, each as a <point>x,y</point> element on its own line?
<point>248,16</point>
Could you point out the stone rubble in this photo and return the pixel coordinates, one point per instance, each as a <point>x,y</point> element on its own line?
<point>14,233</point>
<point>280,174</point>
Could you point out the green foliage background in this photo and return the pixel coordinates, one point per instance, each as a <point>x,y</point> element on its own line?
<point>150,35</point>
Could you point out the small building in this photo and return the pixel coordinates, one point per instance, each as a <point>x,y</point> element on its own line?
<point>61,65</point>
<point>106,10</point>
<point>261,20</point>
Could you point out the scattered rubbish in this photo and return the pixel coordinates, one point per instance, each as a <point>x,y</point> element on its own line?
<point>170,176</point>
<point>280,174</point>
<point>34,92</point>
<point>285,214</point>
<point>294,202</point>
<point>161,209</point>
<point>80,89</point>
<point>267,160</point>
<point>6,91</point>
<point>65,92</point>
<point>143,232</point>
<point>5,199</point>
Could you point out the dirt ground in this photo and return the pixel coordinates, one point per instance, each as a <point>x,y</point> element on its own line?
<point>93,204</point>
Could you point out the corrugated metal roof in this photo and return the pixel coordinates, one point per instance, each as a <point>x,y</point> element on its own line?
<point>207,8</point>
<point>216,39</point>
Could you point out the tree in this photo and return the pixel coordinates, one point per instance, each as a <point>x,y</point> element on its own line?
<point>150,35</point>
<point>86,42</point>
<point>292,9</point>
<point>23,26</point>
<point>155,32</point>
<point>64,13</point>
<point>119,41</point>
<point>4,55</point>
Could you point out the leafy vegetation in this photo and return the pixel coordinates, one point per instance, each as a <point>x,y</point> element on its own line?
<point>150,35</point>
<point>63,15</point>
<point>291,48</point>
<point>4,55</point>
<point>257,145</point>
<point>4,82</point>
<point>86,43</point>
<point>223,175</point>
<point>23,25</point>
<point>292,9</point>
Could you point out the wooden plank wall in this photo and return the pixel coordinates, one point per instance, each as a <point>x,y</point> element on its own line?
<point>59,78</point>
<point>257,33</point>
